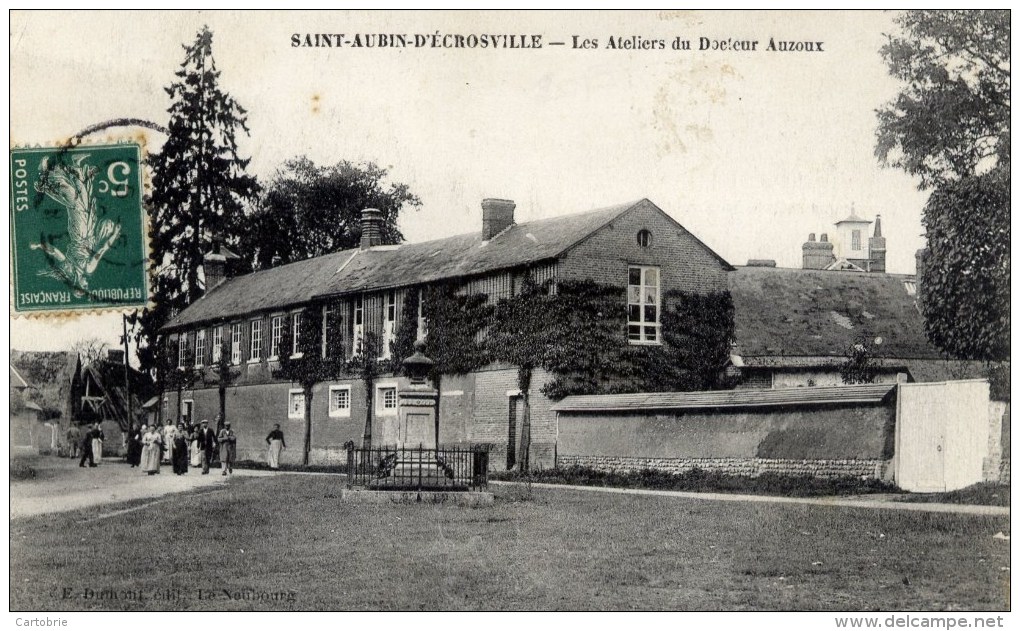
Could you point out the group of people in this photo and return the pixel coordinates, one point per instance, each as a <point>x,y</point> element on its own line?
<point>89,443</point>
<point>182,446</point>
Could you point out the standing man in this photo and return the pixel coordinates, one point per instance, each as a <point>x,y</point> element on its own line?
<point>73,438</point>
<point>86,449</point>
<point>206,445</point>
<point>276,444</point>
<point>228,448</point>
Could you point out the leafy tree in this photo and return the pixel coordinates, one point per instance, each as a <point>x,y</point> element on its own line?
<point>199,183</point>
<point>519,336</point>
<point>965,273</point>
<point>179,377</point>
<point>950,125</point>
<point>308,367</point>
<point>951,117</point>
<point>223,375</point>
<point>859,366</point>
<point>365,364</point>
<point>455,325</point>
<point>309,210</point>
<point>697,330</point>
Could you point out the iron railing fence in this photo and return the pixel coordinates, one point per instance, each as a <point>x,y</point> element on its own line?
<point>418,468</point>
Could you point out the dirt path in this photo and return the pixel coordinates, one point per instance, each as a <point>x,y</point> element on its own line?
<point>855,501</point>
<point>60,485</point>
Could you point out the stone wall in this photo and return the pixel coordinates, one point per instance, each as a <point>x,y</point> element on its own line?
<point>752,467</point>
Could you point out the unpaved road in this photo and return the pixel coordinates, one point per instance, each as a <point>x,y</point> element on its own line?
<point>60,485</point>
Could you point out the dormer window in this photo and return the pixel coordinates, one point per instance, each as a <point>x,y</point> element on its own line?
<point>644,238</point>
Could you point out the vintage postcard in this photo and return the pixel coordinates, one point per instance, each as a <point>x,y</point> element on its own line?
<point>671,311</point>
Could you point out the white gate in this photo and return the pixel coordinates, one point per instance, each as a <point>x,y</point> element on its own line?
<point>941,435</point>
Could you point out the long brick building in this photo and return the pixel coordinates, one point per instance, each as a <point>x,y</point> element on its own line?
<point>634,245</point>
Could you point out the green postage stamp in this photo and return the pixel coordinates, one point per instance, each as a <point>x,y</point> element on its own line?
<point>78,234</point>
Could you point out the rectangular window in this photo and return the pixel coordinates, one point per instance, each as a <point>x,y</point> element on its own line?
<point>295,323</point>
<point>255,345</point>
<point>386,399</point>
<point>188,412</point>
<point>643,306</point>
<point>389,324</point>
<point>182,350</point>
<point>217,343</point>
<point>200,348</point>
<point>856,240</point>
<point>423,325</point>
<point>359,326</point>
<point>339,401</point>
<point>276,337</point>
<point>235,343</point>
<point>296,404</point>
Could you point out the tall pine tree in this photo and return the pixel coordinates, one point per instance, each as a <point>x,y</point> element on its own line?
<point>199,184</point>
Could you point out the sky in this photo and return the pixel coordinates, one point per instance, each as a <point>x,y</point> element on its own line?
<point>749,150</point>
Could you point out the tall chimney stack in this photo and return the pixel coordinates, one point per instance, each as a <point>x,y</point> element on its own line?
<point>371,228</point>
<point>215,264</point>
<point>876,248</point>
<point>497,216</point>
<point>817,254</point>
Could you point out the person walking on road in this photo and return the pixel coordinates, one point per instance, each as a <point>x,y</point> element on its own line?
<point>207,445</point>
<point>228,448</point>
<point>180,450</point>
<point>86,449</point>
<point>276,445</point>
<point>97,443</point>
<point>73,439</point>
<point>152,450</point>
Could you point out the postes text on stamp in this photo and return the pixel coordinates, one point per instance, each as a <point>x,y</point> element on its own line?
<point>78,238</point>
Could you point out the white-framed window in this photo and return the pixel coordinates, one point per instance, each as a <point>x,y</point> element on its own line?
<point>389,324</point>
<point>643,305</point>
<point>217,343</point>
<point>359,326</point>
<point>200,348</point>
<point>296,403</point>
<point>423,325</point>
<point>386,399</point>
<point>295,334</point>
<point>275,337</point>
<point>339,401</point>
<point>182,350</point>
<point>235,343</point>
<point>255,344</point>
<point>855,240</point>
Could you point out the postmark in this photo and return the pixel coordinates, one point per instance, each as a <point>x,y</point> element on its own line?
<point>78,229</point>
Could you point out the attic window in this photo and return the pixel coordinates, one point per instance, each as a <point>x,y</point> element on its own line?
<point>644,238</point>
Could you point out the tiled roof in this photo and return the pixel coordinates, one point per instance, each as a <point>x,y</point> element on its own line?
<point>395,266</point>
<point>783,315</point>
<point>867,393</point>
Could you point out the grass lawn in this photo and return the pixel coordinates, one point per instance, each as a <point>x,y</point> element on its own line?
<point>543,549</point>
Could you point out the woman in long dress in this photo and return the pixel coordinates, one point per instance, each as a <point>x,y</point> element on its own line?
<point>97,443</point>
<point>180,450</point>
<point>152,451</point>
<point>276,444</point>
<point>196,451</point>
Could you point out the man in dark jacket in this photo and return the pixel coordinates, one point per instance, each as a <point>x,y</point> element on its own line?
<point>86,449</point>
<point>206,445</point>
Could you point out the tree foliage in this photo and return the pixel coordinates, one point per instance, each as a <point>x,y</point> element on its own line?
<point>965,275</point>
<point>951,118</point>
<point>859,365</point>
<point>308,210</point>
<point>308,366</point>
<point>199,184</point>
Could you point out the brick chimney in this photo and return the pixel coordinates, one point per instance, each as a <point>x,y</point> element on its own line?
<point>215,264</point>
<point>817,254</point>
<point>876,248</point>
<point>371,228</point>
<point>497,216</point>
